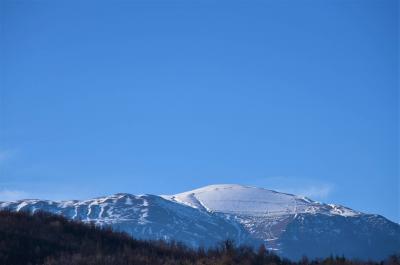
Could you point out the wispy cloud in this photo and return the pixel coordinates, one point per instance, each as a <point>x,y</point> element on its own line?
<point>314,189</point>
<point>12,195</point>
<point>317,192</point>
<point>6,154</point>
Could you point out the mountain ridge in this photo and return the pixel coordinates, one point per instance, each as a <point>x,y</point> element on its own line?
<point>245,214</point>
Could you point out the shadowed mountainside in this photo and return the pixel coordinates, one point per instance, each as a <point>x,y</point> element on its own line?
<point>43,238</point>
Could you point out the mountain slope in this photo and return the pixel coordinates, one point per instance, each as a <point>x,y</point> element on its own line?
<point>144,217</point>
<point>245,200</point>
<point>47,239</point>
<point>288,224</point>
<point>366,236</point>
<point>264,213</point>
<point>296,226</point>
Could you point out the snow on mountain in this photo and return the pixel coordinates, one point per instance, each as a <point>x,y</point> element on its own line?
<point>286,223</point>
<point>293,225</point>
<point>245,200</point>
<point>144,216</point>
<point>263,213</point>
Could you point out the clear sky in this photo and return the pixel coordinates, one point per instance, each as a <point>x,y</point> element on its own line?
<point>99,97</point>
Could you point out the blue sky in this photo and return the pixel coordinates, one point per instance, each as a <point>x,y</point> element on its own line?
<point>165,96</point>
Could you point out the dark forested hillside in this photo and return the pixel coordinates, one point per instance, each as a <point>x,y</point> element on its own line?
<point>43,238</point>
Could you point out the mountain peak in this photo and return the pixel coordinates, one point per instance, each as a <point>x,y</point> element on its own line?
<point>254,201</point>
<point>234,198</point>
<point>218,187</point>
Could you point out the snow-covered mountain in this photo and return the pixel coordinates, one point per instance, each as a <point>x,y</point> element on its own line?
<point>289,224</point>
<point>145,217</point>
<point>244,200</point>
<point>294,225</point>
<point>263,213</point>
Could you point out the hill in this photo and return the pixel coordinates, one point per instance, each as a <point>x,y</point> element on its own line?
<point>43,238</point>
<point>290,225</point>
